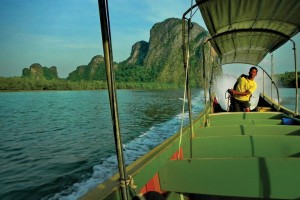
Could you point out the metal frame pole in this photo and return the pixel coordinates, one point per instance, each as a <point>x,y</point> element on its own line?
<point>272,74</point>
<point>108,58</point>
<point>296,76</point>
<point>186,66</point>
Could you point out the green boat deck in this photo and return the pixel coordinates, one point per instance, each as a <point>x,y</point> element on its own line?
<point>239,155</point>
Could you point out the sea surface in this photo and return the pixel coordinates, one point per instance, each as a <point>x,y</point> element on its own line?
<point>59,144</point>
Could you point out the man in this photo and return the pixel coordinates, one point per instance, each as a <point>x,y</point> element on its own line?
<point>242,91</point>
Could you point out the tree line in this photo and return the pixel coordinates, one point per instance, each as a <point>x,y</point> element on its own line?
<point>287,79</point>
<point>131,79</point>
<point>27,84</point>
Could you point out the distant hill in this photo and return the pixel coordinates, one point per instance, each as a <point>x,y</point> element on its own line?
<point>160,60</point>
<point>95,70</point>
<point>37,72</point>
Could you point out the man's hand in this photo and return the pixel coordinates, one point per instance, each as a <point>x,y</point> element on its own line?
<point>232,91</point>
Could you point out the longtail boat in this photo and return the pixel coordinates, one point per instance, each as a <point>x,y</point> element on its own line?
<point>219,154</point>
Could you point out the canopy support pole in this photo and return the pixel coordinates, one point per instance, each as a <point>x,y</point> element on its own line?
<point>108,58</point>
<point>296,76</point>
<point>263,82</point>
<point>186,65</point>
<point>185,48</point>
<point>272,74</point>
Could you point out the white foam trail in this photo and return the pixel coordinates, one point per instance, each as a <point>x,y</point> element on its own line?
<point>132,151</point>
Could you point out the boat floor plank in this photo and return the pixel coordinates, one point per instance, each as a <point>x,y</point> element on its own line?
<point>277,178</point>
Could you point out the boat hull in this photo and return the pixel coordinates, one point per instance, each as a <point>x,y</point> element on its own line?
<point>238,155</point>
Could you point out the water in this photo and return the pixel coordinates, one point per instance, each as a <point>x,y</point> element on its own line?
<point>287,97</point>
<point>59,144</point>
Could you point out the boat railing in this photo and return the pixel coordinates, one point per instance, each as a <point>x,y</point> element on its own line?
<point>272,83</point>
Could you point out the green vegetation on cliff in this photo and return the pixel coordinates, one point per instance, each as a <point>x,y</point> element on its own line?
<point>37,72</point>
<point>157,64</point>
<point>158,61</point>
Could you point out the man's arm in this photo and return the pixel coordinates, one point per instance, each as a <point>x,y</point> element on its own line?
<point>234,92</point>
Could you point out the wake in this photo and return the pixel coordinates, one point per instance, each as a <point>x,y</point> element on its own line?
<point>133,150</point>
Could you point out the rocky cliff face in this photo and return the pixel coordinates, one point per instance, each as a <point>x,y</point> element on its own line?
<point>36,71</point>
<point>161,57</point>
<point>165,49</point>
<point>165,42</point>
<point>95,70</point>
<point>138,53</point>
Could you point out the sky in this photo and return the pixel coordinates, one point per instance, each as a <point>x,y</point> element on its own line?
<point>66,33</point>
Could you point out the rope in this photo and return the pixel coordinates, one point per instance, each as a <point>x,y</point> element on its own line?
<point>186,84</point>
<point>206,116</point>
<point>133,188</point>
<point>227,97</point>
<point>192,14</point>
<point>182,115</point>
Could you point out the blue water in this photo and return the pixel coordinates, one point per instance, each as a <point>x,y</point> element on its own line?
<point>59,144</point>
<point>287,98</point>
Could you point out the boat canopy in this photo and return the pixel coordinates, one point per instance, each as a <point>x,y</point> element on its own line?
<point>245,31</point>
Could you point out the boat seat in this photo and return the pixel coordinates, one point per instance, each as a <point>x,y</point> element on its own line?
<point>247,130</point>
<point>246,115</point>
<point>245,118</point>
<point>245,122</point>
<point>246,146</point>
